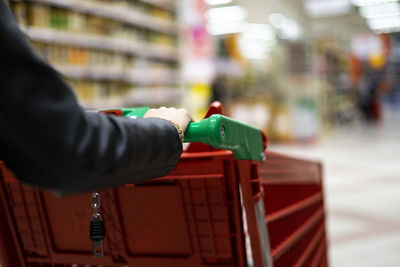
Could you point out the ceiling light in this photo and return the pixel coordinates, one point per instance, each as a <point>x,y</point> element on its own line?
<point>226,14</point>
<point>225,28</point>
<point>326,8</point>
<point>276,20</point>
<point>383,23</point>
<point>291,30</point>
<point>257,40</point>
<point>381,10</point>
<point>371,2</point>
<point>286,28</point>
<point>217,2</point>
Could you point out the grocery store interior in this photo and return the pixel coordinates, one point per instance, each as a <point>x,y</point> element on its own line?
<point>319,77</point>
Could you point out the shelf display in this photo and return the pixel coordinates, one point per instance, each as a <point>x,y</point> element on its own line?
<point>337,98</point>
<point>106,48</point>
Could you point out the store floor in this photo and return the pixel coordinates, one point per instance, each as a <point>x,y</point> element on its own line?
<point>362,192</point>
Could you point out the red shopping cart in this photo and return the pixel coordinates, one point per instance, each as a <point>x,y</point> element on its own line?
<point>217,208</point>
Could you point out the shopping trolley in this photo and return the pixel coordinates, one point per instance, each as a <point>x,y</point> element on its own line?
<point>223,205</point>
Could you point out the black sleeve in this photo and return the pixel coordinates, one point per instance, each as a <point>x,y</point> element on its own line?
<point>50,142</point>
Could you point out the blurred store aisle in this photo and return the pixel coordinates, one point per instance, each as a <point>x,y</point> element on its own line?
<point>362,190</point>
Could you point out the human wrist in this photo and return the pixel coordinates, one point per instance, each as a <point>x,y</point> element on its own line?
<point>178,129</point>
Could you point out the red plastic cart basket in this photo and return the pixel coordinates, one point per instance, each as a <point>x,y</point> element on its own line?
<point>201,214</point>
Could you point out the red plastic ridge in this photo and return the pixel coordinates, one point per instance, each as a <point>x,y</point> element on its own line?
<point>294,208</point>
<point>297,235</point>
<point>311,246</point>
<point>319,256</point>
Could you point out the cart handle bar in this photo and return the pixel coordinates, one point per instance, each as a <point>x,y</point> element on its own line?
<point>245,141</point>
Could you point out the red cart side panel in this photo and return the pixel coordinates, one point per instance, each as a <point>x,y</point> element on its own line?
<point>190,218</point>
<point>294,209</point>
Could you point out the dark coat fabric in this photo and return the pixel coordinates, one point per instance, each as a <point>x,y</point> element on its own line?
<point>50,142</point>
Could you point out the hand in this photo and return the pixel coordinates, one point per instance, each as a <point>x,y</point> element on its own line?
<point>179,116</point>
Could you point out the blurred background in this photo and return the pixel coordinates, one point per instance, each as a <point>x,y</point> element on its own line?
<point>319,77</point>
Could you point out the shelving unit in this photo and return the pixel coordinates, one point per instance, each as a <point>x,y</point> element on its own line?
<point>119,13</point>
<point>134,77</point>
<point>137,48</point>
<point>169,5</point>
<point>141,96</point>
<point>108,49</point>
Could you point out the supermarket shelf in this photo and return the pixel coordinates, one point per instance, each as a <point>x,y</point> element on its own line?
<point>109,102</point>
<point>90,73</point>
<point>155,76</point>
<point>101,42</point>
<point>137,77</point>
<point>152,96</point>
<point>169,5</point>
<point>139,96</point>
<point>126,15</point>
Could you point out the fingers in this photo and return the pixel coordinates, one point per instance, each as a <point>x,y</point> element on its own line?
<point>179,116</point>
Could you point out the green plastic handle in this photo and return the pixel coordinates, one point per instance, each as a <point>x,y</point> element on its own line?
<point>245,141</point>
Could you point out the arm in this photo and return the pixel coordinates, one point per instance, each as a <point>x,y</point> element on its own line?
<point>50,142</point>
